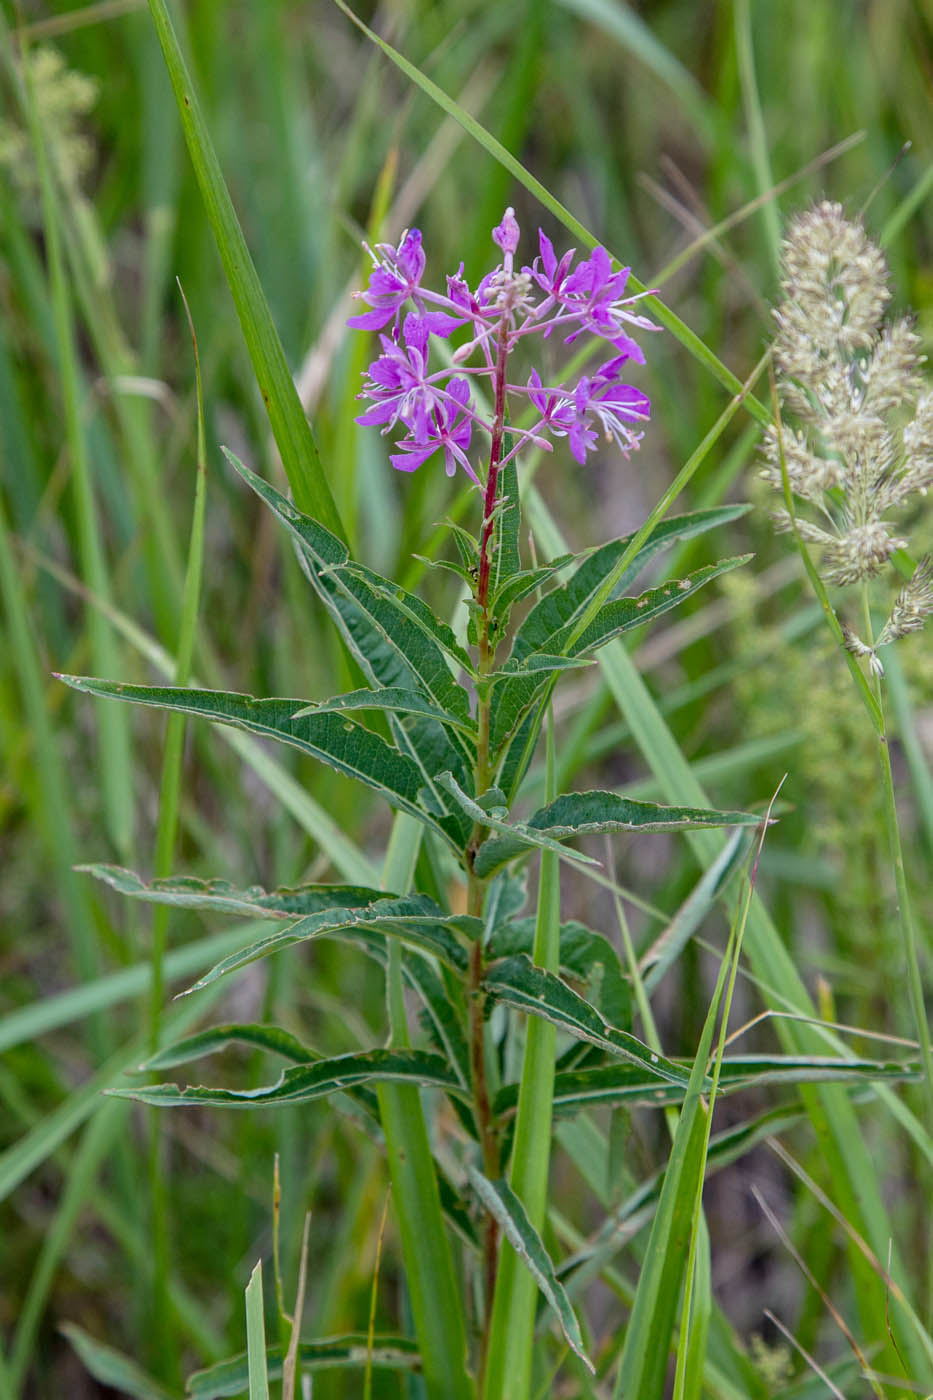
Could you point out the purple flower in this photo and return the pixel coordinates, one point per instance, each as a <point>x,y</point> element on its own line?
<point>608,400</point>
<point>396,277</point>
<point>448,430</point>
<point>397,385</point>
<point>600,396</point>
<point>555,407</point>
<point>593,294</point>
<point>551,276</point>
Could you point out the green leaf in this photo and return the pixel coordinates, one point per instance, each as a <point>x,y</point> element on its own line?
<point>112,1368</point>
<point>395,639</point>
<point>414,920</point>
<point>441,1017</point>
<point>550,626</point>
<point>624,614</point>
<point>560,609</point>
<point>271,1038</point>
<point>353,1349</point>
<point>220,895</point>
<point>512,832</point>
<point>194,1047</point>
<point>613,1084</point>
<point>303,1083</point>
<point>584,813</point>
<point>751,1071</point>
<point>616,1084</point>
<point>517,753</point>
<point>393,635</point>
<point>506,556</point>
<point>505,1207</point>
<point>392,700</point>
<point>343,745</point>
<point>517,982</point>
<point>581,952</point>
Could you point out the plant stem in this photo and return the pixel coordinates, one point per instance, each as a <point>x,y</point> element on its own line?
<point>904,906</point>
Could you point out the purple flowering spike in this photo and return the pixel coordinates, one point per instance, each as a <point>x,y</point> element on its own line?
<point>506,309</point>
<point>395,277</point>
<point>448,430</point>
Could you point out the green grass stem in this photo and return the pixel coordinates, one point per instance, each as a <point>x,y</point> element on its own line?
<point>512,1323</point>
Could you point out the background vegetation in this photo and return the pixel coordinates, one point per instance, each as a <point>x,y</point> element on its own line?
<point>652,125</point>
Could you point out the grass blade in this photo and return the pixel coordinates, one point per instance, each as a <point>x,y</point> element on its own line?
<point>290,428</point>
<point>256,1337</point>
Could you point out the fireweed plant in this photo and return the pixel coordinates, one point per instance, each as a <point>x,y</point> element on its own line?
<point>458,719</point>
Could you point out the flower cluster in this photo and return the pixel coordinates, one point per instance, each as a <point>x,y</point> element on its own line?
<point>846,377</point>
<point>441,408</point>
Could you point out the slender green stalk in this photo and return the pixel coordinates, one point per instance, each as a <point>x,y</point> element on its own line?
<point>905,905</point>
<point>435,1299</point>
<point>733,952</point>
<point>162,1340</point>
<point>511,1329</point>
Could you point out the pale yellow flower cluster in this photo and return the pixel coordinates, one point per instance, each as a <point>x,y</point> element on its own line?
<point>849,380</point>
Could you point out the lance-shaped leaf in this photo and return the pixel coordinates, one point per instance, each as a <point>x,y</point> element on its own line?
<point>623,614</point>
<point>584,813</point>
<point>254,902</point>
<point>615,1085</point>
<point>343,745</point>
<point>513,694</point>
<point>516,754</point>
<point>506,554</point>
<point>391,700</point>
<point>485,811</point>
<point>209,1042</point>
<point>507,1210</point>
<point>517,982</point>
<point>394,637</point>
<point>564,606</point>
<point>440,1016</point>
<point>582,952</point>
<point>750,1071</point>
<point>359,1101</point>
<point>445,1026</point>
<point>415,920</point>
<point>302,1083</point>
<point>353,1349</point>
